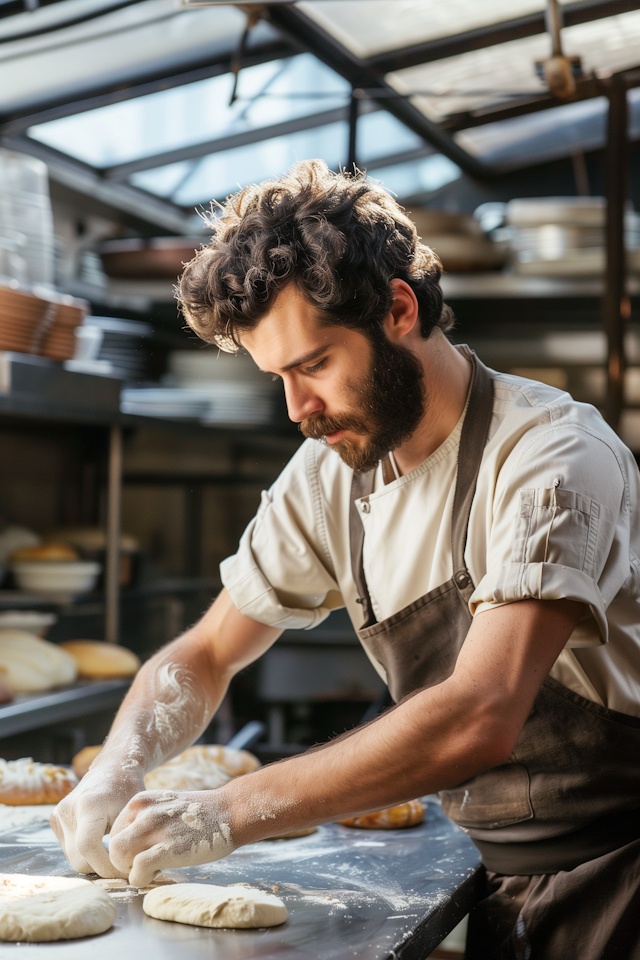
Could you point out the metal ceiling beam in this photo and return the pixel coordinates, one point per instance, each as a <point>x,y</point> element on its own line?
<point>85,180</point>
<point>586,89</point>
<point>574,13</point>
<point>15,122</point>
<point>242,139</point>
<point>292,22</point>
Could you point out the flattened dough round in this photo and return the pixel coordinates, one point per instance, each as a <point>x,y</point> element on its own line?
<point>205,905</point>
<point>40,909</point>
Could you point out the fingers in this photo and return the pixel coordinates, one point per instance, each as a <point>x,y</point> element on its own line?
<point>146,865</point>
<point>89,847</point>
<point>66,840</point>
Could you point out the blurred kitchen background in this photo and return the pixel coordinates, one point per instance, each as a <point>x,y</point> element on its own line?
<point>509,131</point>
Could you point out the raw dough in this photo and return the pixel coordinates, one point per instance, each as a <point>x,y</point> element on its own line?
<point>27,782</point>
<point>94,658</point>
<point>39,909</point>
<point>205,905</point>
<point>403,815</point>
<point>201,768</point>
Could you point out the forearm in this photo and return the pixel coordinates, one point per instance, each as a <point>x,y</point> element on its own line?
<point>170,703</point>
<point>438,738</point>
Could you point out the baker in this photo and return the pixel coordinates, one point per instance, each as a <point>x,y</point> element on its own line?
<point>482,531</point>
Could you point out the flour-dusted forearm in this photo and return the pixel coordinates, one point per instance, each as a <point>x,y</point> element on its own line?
<point>170,703</point>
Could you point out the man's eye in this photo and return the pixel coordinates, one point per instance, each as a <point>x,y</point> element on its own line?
<point>317,366</point>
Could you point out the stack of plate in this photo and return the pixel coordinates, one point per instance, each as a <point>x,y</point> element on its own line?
<point>564,236</point>
<point>39,322</point>
<point>123,345</point>
<point>219,403</point>
<point>26,219</point>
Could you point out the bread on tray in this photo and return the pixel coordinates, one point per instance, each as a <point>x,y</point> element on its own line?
<point>25,782</point>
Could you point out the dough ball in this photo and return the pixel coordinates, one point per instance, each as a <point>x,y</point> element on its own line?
<point>39,909</point>
<point>25,782</point>
<point>403,815</point>
<point>205,905</point>
<point>95,658</point>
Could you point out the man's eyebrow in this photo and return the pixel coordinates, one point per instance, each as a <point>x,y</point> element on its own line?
<point>307,358</point>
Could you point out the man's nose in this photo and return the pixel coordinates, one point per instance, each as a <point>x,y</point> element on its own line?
<point>301,403</point>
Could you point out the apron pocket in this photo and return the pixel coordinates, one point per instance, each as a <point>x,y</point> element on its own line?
<point>497,798</point>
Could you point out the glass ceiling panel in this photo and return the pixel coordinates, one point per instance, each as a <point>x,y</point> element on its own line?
<point>539,137</point>
<point>482,77</point>
<point>368,27</point>
<point>191,183</point>
<point>220,174</point>
<point>117,47</point>
<point>195,113</point>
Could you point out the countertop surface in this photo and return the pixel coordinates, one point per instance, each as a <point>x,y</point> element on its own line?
<point>350,894</point>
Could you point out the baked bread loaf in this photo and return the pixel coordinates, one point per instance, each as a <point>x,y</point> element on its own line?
<point>201,768</point>
<point>95,659</point>
<point>44,552</point>
<point>25,782</point>
<point>6,694</point>
<point>31,665</point>
<point>394,818</point>
<point>83,760</point>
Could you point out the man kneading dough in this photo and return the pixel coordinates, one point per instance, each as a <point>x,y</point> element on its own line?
<point>482,531</point>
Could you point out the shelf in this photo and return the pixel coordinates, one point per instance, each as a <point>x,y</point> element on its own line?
<point>32,710</point>
<point>484,286</point>
<point>170,586</point>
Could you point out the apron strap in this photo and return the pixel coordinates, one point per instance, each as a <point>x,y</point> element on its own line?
<point>361,486</point>
<point>473,438</point>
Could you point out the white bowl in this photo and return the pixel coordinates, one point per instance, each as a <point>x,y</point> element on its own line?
<point>48,577</point>
<point>32,621</point>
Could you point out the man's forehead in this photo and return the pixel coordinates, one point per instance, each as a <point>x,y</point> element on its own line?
<point>290,330</point>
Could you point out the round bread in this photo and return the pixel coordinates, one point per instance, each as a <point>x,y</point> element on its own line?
<point>83,760</point>
<point>201,768</point>
<point>394,818</point>
<point>25,782</point>
<point>206,905</point>
<point>45,909</point>
<point>95,659</point>
<point>44,552</point>
<point>6,694</point>
<point>30,665</point>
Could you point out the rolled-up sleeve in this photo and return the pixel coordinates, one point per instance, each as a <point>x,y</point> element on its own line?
<point>560,528</point>
<point>282,574</point>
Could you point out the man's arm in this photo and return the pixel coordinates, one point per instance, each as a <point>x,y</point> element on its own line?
<point>170,703</point>
<point>433,740</point>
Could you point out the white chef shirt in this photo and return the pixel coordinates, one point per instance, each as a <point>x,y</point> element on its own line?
<point>555,515</point>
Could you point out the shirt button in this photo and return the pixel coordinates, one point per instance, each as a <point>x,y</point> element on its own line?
<point>365,506</point>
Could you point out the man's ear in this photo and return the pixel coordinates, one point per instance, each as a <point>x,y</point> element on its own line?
<point>403,318</point>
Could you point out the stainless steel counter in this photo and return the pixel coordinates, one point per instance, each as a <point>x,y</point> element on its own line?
<point>350,894</point>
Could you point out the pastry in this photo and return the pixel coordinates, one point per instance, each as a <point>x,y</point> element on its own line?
<point>201,768</point>
<point>44,909</point>
<point>44,552</point>
<point>30,665</point>
<point>95,658</point>
<point>206,905</point>
<point>25,782</point>
<point>83,760</point>
<point>403,815</point>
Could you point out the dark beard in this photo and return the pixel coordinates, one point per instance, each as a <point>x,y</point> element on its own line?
<point>390,400</point>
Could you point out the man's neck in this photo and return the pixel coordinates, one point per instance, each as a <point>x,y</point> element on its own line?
<point>447,375</point>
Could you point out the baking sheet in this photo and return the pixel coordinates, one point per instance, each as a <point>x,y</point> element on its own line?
<point>350,894</point>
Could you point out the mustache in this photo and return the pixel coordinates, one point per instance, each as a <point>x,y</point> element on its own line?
<point>316,428</point>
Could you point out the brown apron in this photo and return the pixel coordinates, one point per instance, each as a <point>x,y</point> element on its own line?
<point>575,770</point>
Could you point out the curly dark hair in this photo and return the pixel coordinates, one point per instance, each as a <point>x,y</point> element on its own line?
<point>339,237</point>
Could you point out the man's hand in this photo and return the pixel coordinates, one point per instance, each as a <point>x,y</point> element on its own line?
<point>82,819</point>
<point>160,829</point>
